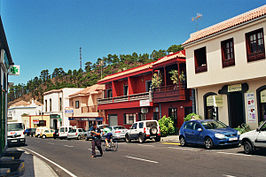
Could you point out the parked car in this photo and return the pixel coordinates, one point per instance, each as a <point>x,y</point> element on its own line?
<point>209,133</point>
<point>63,132</point>
<point>49,133</point>
<point>78,133</point>
<point>254,139</point>
<point>39,131</point>
<point>27,131</point>
<point>142,130</point>
<point>119,132</point>
<point>88,132</point>
<point>55,135</point>
<point>15,133</point>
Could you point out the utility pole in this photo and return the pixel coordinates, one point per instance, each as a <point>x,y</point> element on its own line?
<point>80,58</point>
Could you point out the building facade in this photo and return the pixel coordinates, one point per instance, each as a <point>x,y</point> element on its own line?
<point>35,121</point>
<point>5,62</point>
<point>55,103</point>
<point>83,111</point>
<point>128,96</point>
<point>226,66</point>
<point>20,108</point>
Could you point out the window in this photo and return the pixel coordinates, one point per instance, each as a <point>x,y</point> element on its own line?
<point>148,85</point>
<point>255,45</point>
<point>109,93</point>
<point>141,125</point>
<point>50,105</point>
<point>60,104</point>
<point>130,118</point>
<point>200,60</point>
<point>211,111</point>
<point>125,90</point>
<point>45,105</point>
<point>76,104</point>
<point>155,116</point>
<point>228,56</point>
<point>142,116</point>
<point>261,103</point>
<point>189,125</point>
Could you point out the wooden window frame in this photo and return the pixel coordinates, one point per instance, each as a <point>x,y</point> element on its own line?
<point>255,55</point>
<point>77,106</point>
<point>228,61</point>
<point>199,69</point>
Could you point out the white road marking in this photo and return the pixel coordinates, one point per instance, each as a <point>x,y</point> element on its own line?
<point>69,146</point>
<point>146,145</point>
<point>229,153</point>
<point>185,149</point>
<point>137,158</point>
<point>52,162</point>
<point>228,175</point>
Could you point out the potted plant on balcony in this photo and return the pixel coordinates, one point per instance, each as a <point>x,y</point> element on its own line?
<point>175,77</point>
<point>156,80</point>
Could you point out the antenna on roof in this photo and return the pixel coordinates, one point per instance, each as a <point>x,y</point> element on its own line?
<point>196,19</point>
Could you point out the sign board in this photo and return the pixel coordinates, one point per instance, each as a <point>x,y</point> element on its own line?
<point>234,88</point>
<point>69,111</point>
<point>35,121</point>
<point>14,70</point>
<point>251,109</point>
<point>54,116</point>
<point>215,100</point>
<point>144,103</point>
<point>263,96</point>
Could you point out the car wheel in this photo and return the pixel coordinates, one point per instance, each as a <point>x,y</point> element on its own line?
<point>208,143</point>
<point>141,138</point>
<point>127,139</point>
<point>43,136</point>
<point>248,148</point>
<point>157,139</point>
<point>79,137</point>
<point>182,141</point>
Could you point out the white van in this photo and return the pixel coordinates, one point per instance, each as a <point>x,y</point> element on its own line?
<point>15,133</point>
<point>39,131</point>
<point>63,131</point>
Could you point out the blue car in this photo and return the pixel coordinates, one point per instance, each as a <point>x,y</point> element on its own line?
<point>209,133</point>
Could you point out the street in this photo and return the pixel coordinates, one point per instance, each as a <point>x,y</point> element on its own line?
<point>148,159</point>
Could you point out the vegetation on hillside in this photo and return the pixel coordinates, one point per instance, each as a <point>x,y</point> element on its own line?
<point>88,76</point>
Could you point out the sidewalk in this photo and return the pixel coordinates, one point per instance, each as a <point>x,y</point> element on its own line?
<point>170,139</point>
<point>35,167</point>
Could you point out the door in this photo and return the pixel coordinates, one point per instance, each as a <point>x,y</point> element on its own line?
<point>236,109</point>
<point>198,135</point>
<point>261,138</point>
<point>55,124</point>
<point>188,131</point>
<point>112,119</point>
<point>134,131</point>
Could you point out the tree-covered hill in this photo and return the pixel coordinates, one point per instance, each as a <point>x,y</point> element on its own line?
<point>87,76</point>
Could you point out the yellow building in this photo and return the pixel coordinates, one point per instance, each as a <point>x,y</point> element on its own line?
<point>34,121</point>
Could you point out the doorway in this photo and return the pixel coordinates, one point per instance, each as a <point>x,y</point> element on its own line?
<point>236,109</point>
<point>112,119</point>
<point>55,124</point>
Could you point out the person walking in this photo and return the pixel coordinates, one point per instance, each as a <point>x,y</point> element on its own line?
<point>96,140</point>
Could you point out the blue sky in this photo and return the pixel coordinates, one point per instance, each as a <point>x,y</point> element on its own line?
<point>45,34</point>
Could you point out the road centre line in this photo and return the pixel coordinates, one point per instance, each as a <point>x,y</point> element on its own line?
<point>229,153</point>
<point>52,162</point>
<point>148,145</point>
<point>228,175</point>
<point>140,159</point>
<point>68,146</point>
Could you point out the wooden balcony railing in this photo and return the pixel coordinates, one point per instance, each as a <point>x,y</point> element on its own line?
<point>86,109</point>
<point>169,93</point>
<point>125,98</point>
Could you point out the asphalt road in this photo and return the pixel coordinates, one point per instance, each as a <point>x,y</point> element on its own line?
<point>149,159</point>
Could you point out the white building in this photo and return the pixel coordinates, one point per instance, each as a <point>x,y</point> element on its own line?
<point>16,110</point>
<point>55,102</point>
<point>226,66</point>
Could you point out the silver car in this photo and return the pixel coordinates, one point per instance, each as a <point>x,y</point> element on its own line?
<point>118,132</point>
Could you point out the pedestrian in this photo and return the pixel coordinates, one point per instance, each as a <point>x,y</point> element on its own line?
<point>96,140</point>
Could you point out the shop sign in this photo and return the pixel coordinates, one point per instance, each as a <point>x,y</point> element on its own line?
<point>35,121</point>
<point>54,116</point>
<point>251,110</point>
<point>215,100</point>
<point>14,70</point>
<point>263,96</point>
<point>69,110</point>
<point>144,103</point>
<point>234,88</point>
<point>70,118</point>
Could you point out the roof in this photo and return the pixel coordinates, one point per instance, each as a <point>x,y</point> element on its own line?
<point>3,43</point>
<point>254,14</point>
<point>20,103</point>
<point>180,54</point>
<point>88,90</point>
<point>52,91</point>
<point>127,72</point>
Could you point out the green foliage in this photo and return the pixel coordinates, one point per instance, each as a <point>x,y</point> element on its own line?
<point>156,81</point>
<point>175,48</point>
<point>243,128</point>
<point>166,126</point>
<point>192,116</point>
<point>174,76</point>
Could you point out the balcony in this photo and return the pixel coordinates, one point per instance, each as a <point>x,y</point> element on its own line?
<point>169,93</point>
<point>86,111</point>
<point>126,98</point>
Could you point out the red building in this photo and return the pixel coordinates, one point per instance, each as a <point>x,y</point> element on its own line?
<point>128,96</point>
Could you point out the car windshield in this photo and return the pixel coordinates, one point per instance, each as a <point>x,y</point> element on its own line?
<point>213,124</point>
<point>15,127</point>
<point>151,124</point>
